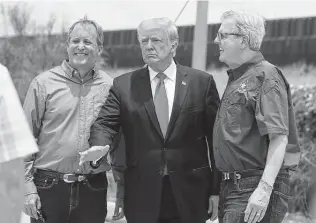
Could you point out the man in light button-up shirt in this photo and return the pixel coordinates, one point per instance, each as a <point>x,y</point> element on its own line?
<point>61,105</point>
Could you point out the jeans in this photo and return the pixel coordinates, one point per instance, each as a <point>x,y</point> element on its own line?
<point>234,199</point>
<point>79,202</point>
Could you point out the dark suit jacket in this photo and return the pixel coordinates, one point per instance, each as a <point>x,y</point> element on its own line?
<point>130,106</point>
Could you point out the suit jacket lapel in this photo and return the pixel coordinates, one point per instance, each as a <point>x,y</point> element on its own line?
<point>182,85</point>
<point>145,93</point>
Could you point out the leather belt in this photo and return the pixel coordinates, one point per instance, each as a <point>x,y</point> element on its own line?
<point>247,173</point>
<point>68,178</point>
<point>240,174</point>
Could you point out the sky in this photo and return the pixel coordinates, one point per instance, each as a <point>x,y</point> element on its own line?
<point>127,14</point>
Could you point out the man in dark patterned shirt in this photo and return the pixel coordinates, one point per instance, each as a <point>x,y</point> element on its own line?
<point>255,137</point>
<point>61,105</point>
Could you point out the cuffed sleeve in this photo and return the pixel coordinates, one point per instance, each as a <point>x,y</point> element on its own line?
<point>30,187</point>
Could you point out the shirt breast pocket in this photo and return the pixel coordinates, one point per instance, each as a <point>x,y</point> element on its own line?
<point>236,110</point>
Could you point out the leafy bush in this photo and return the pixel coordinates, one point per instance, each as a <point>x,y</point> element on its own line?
<point>304,98</point>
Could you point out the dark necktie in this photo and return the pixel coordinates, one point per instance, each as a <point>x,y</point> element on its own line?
<point>161,103</point>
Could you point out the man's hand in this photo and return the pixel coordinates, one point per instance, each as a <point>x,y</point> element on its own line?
<point>257,205</point>
<point>118,212</point>
<point>213,207</point>
<point>94,153</point>
<point>31,205</point>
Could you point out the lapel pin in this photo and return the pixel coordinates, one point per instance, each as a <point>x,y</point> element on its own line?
<point>183,83</point>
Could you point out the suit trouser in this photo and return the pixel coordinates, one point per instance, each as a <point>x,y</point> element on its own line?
<point>79,202</point>
<point>168,208</point>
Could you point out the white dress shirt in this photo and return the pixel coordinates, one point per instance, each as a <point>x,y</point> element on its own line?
<point>170,83</point>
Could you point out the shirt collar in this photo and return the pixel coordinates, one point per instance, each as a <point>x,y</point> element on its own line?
<point>70,71</point>
<point>170,72</point>
<point>236,73</point>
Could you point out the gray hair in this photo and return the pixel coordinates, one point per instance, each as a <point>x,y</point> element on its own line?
<point>86,21</point>
<point>165,24</point>
<point>248,24</point>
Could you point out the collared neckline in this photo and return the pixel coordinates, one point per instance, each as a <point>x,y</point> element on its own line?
<point>70,71</point>
<point>170,72</point>
<point>236,73</point>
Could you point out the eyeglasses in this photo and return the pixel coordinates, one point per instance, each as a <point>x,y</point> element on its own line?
<point>221,36</point>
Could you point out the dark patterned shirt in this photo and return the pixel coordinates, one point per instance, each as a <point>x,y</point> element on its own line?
<point>256,102</point>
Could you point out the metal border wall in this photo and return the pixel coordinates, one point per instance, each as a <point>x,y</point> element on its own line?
<point>286,41</point>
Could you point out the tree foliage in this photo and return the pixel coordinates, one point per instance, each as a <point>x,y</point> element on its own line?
<point>304,98</point>
<point>27,53</point>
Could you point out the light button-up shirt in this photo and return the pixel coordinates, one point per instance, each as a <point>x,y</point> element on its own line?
<point>60,108</point>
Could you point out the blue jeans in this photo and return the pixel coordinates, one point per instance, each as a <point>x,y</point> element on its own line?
<point>234,199</point>
<point>79,202</point>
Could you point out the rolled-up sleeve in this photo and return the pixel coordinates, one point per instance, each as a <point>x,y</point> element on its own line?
<point>272,108</point>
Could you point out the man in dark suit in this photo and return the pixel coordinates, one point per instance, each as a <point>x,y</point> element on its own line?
<point>166,112</point>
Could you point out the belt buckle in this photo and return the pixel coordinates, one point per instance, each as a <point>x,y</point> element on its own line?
<point>237,176</point>
<point>65,178</point>
<point>226,176</point>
